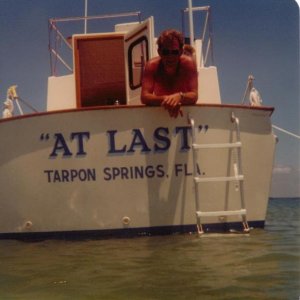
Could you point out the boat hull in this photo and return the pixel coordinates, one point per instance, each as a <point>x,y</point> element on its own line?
<point>128,171</point>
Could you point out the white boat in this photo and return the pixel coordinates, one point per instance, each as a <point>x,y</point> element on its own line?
<point>98,163</point>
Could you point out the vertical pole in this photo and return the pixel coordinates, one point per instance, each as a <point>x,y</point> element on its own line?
<point>19,107</point>
<point>195,175</point>
<point>85,15</point>
<point>50,46</point>
<point>191,22</point>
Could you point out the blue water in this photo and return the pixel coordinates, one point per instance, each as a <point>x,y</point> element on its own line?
<point>262,265</point>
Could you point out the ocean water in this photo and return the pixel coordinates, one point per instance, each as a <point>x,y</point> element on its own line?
<point>262,265</point>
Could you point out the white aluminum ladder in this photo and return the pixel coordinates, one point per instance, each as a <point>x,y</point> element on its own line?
<point>238,177</point>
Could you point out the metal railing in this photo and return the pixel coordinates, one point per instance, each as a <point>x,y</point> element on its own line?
<point>60,43</point>
<point>205,35</point>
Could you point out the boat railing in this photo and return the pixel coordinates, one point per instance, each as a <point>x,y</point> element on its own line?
<point>60,38</point>
<point>204,34</point>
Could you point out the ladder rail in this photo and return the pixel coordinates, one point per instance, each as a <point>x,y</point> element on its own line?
<point>195,159</point>
<point>240,169</point>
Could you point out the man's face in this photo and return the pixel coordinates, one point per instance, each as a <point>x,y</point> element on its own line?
<point>170,53</point>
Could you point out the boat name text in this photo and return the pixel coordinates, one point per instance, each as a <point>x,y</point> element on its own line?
<point>161,141</point>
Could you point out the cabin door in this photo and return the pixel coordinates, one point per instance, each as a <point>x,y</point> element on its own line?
<point>138,50</point>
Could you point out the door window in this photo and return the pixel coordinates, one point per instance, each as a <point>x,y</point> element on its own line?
<point>137,57</point>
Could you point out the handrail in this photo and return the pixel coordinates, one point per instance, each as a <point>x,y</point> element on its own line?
<point>287,132</point>
<point>97,17</point>
<point>56,36</point>
<point>61,60</point>
<point>205,35</point>
<point>198,8</point>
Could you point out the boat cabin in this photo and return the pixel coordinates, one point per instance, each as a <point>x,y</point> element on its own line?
<point>107,68</point>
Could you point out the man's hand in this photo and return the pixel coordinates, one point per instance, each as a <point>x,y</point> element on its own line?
<point>172,104</point>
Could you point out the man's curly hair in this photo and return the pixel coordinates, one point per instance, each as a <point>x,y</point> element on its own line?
<point>170,35</point>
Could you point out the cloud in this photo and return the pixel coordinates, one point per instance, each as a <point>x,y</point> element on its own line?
<point>282,170</point>
<point>285,182</point>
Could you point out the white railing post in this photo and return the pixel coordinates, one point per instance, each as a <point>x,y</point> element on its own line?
<point>191,22</point>
<point>85,15</point>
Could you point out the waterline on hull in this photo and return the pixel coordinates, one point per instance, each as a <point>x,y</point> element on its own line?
<point>128,232</point>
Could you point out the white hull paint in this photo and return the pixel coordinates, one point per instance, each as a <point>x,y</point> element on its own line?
<point>122,169</point>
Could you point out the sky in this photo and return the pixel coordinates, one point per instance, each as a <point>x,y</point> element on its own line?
<point>258,37</point>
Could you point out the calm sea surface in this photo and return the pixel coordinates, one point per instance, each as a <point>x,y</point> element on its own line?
<point>263,265</point>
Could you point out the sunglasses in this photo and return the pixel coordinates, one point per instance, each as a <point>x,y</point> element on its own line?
<point>167,52</point>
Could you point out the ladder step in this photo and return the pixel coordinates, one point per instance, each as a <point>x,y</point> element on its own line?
<point>216,146</point>
<point>219,179</point>
<point>221,213</point>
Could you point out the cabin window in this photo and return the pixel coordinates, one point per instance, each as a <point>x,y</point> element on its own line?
<point>137,57</point>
